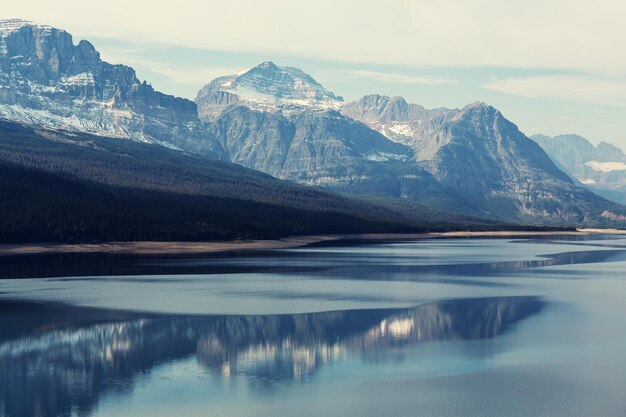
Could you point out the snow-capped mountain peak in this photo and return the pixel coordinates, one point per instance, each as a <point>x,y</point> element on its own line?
<point>268,86</point>
<point>272,82</point>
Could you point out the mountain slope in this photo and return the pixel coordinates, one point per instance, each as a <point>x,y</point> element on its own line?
<point>47,81</point>
<point>316,147</point>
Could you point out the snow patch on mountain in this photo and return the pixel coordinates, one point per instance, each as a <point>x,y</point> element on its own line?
<point>606,166</point>
<point>588,181</point>
<point>385,156</point>
<point>401,129</point>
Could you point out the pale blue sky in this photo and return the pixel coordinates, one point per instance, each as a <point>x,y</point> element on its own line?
<point>551,66</point>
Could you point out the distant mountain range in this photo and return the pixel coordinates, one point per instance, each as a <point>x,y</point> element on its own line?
<point>281,121</point>
<point>600,168</point>
<point>470,160</point>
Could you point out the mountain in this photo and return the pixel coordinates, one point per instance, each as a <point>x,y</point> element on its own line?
<point>600,168</point>
<point>312,147</point>
<point>471,160</point>
<point>48,81</point>
<point>393,116</point>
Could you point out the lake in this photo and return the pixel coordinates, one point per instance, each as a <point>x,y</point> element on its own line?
<point>434,327</point>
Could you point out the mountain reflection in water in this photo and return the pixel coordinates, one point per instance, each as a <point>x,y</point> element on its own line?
<point>52,364</point>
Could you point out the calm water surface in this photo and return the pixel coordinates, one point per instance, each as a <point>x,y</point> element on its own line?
<point>450,327</point>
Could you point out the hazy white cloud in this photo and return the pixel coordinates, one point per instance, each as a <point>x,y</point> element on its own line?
<point>397,78</point>
<point>592,90</point>
<point>573,34</point>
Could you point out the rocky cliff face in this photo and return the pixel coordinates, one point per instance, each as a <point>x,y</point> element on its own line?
<point>394,117</point>
<point>567,148</point>
<point>47,80</point>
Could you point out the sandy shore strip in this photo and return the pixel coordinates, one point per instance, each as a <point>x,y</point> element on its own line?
<point>182,248</point>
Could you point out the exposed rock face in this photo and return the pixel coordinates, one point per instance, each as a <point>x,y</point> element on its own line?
<point>48,81</point>
<point>566,148</point>
<point>601,168</point>
<point>606,152</point>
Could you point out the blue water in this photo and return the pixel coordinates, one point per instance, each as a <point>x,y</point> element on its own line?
<point>449,327</point>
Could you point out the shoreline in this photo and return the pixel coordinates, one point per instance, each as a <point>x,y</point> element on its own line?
<point>198,248</point>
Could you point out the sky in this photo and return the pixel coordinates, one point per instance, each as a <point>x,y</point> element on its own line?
<point>550,66</point>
